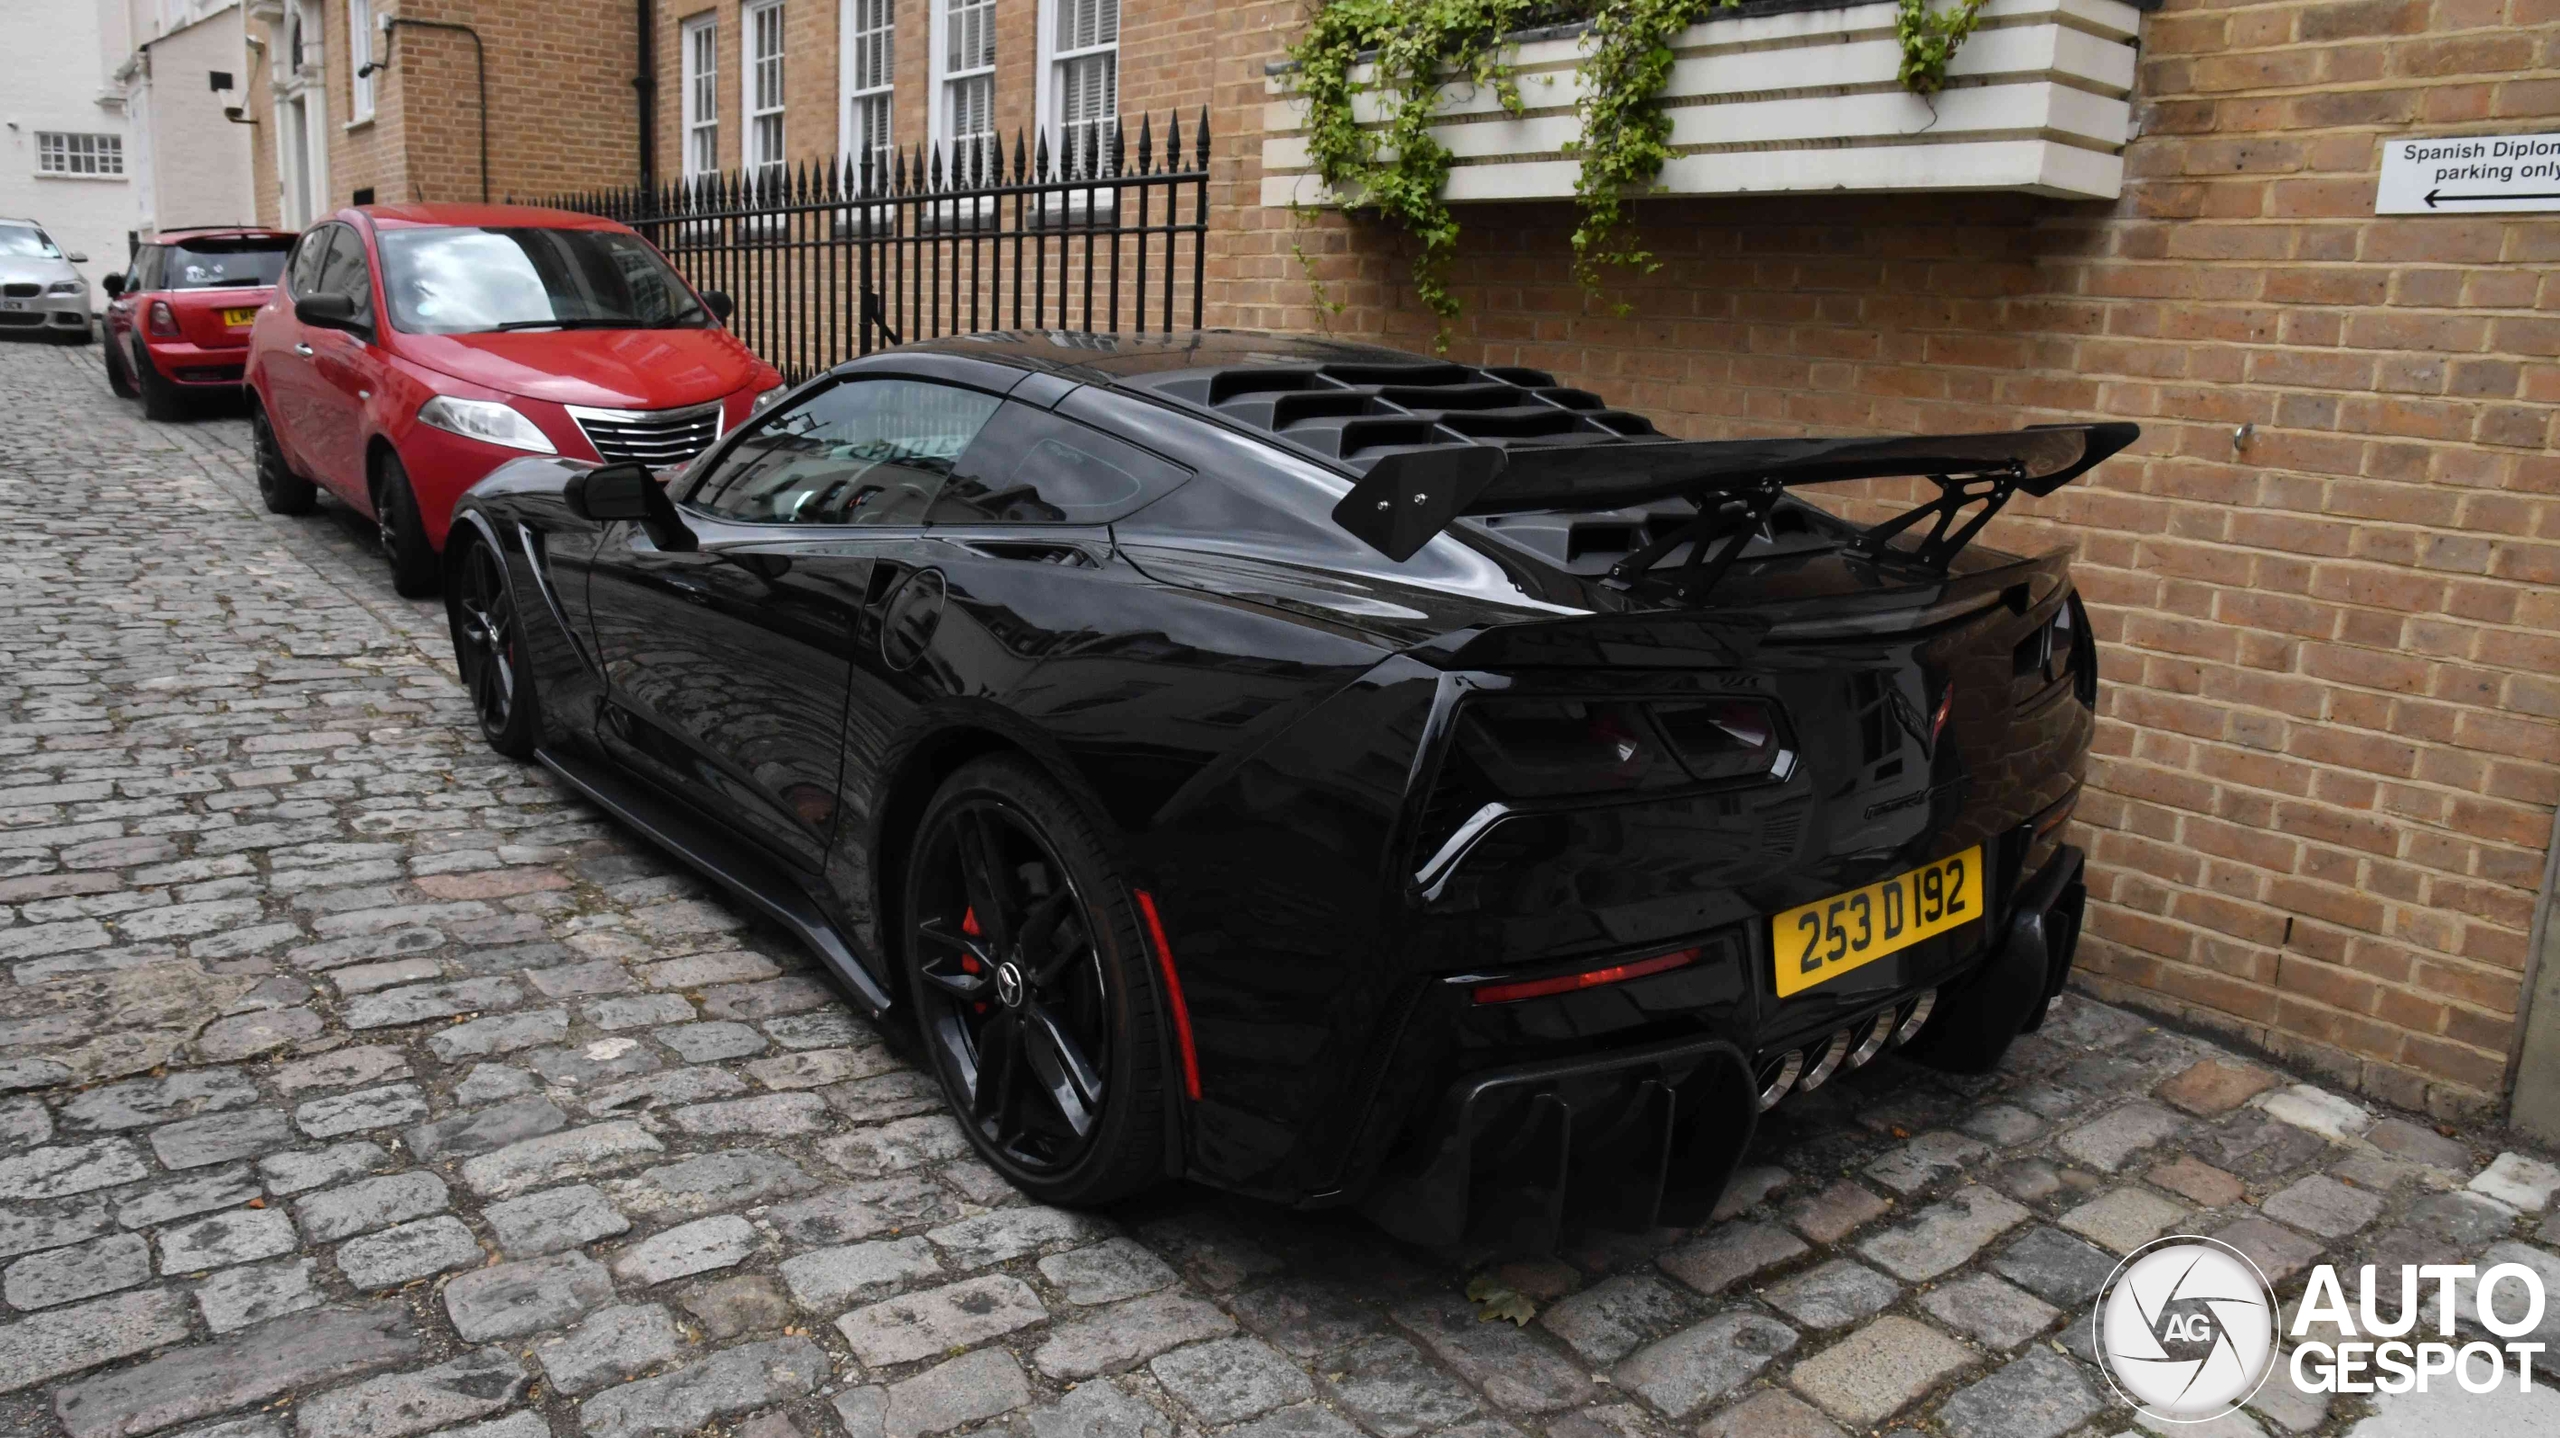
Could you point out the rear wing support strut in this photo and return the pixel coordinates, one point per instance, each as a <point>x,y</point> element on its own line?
<point>1940,547</point>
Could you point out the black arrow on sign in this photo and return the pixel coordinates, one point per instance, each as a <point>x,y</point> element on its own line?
<point>2434,196</point>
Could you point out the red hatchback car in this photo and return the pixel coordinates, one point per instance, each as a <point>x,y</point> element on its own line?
<point>414,348</point>
<point>178,319</point>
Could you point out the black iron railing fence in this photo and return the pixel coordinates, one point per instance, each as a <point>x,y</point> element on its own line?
<point>832,259</point>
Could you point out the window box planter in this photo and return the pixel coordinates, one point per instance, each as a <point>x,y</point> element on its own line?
<point>1794,100</point>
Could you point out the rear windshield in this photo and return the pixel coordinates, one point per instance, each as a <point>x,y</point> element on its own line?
<point>458,280</point>
<point>27,240</point>
<point>243,262</point>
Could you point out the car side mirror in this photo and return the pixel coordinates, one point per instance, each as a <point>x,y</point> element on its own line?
<point>113,285</point>
<point>628,493</point>
<point>327,311</point>
<point>720,305</point>
<point>77,257</point>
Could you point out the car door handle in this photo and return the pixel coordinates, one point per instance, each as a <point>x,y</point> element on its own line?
<point>304,350</point>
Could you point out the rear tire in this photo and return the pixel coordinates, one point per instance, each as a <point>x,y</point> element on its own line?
<point>414,572</point>
<point>1036,1002</point>
<point>279,488</point>
<point>489,649</point>
<point>161,398</point>
<point>119,377</point>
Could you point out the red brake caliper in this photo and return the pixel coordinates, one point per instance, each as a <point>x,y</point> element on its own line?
<point>968,964</point>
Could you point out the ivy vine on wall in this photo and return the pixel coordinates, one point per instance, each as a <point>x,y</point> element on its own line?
<point>1423,50</point>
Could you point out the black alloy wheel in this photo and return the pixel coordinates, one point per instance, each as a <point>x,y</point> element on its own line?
<point>488,647</point>
<point>279,488</point>
<point>1031,992</point>
<point>414,573</point>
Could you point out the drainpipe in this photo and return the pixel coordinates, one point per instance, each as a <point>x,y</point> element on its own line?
<point>479,63</point>
<point>646,84</point>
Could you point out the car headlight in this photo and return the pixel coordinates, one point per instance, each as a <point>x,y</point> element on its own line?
<point>65,287</point>
<point>764,399</point>
<point>487,421</point>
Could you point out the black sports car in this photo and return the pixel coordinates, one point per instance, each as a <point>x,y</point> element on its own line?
<point>1320,771</point>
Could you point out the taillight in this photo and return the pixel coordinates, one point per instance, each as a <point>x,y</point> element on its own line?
<point>1588,979</point>
<point>2078,649</point>
<point>2062,648</point>
<point>164,323</point>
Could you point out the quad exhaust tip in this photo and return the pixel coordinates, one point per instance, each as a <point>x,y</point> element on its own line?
<point>1809,1068</point>
<point>1774,1087</point>
<point>1827,1065</point>
<point>1872,1037</point>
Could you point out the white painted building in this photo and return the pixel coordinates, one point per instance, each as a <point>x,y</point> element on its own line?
<point>180,65</point>
<point>66,156</point>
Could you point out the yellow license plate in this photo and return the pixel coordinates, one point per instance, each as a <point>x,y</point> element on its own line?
<point>236,318</point>
<point>1823,940</point>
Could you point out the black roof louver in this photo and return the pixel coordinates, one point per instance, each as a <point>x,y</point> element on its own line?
<point>1358,413</point>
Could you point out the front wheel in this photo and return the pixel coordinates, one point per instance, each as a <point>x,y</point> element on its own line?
<point>1032,991</point>
<point>404,535</point>
<point>488,647</point>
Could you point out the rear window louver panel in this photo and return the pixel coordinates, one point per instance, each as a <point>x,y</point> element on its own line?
<point>1359,413</point>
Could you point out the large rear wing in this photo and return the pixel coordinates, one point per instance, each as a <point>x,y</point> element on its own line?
<point>1411,495</point>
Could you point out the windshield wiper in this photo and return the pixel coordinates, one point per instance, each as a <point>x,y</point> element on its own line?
<point>568,324</point>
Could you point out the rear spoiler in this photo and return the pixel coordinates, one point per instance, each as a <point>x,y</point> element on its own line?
<point>1411,495</point>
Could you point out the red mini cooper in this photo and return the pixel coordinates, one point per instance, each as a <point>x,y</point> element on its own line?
<point>414,348</point>
<point>178,320</point>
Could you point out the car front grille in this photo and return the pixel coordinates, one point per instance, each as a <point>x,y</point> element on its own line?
<point>21,318</point>
<point>654,437</point>
<point>19,290</point>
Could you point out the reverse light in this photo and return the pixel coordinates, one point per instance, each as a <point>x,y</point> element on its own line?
<point>1587,979</point>
<point>486,421</point>
<point>163,320</point>
<point>1725,738</point>
<point>1540,748</point>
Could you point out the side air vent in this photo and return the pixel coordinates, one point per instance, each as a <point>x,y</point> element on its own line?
<point>1034,552</point>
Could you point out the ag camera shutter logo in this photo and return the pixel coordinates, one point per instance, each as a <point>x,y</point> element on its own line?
<point>2185,1329</point>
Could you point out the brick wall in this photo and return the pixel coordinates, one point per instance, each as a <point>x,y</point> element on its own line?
<point>2328,758</point>
<point>561,104</point>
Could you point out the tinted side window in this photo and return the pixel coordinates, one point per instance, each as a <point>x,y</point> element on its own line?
<point>307,255</point>
<point>865,452</point>
<point>344,272</point>
<point>1028,466</point>
<point>146,268</point>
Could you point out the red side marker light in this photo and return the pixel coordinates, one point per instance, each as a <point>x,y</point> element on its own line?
<point>1588,979</point>
<point>1173,992</point>
<point>969,921</point>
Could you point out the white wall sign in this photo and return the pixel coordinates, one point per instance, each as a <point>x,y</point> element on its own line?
<point>2469,174</point>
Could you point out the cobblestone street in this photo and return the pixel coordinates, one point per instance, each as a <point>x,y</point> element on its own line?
<point>358,1083</point>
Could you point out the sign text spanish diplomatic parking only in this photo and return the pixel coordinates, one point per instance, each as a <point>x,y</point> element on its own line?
<point>2469,175</point>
